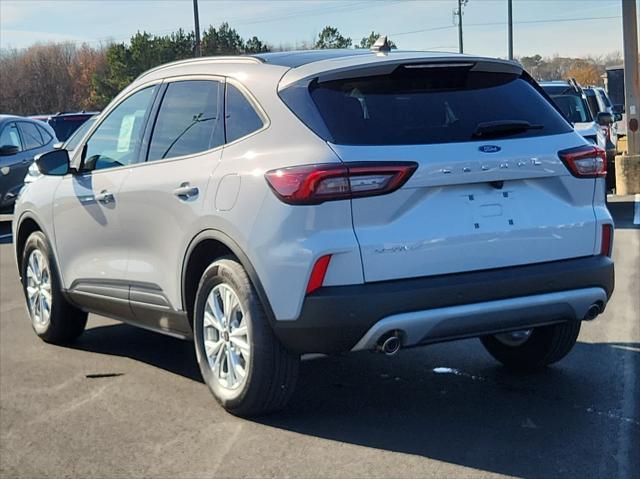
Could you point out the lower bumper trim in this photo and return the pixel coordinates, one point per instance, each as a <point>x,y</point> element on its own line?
<point>335,318</point>
<point>469,320</point>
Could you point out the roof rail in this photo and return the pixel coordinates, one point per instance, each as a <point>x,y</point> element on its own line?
<point>216,59</point>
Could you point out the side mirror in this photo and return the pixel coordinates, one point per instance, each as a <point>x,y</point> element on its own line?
<point>604,118</point>
<point>8,150</point>
<point>618,109</point>
<point>617,117</point>
<point>53,163</point>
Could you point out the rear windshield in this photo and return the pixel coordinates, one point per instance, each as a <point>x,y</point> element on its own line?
<point>64,127</point>
<point>427,105</point>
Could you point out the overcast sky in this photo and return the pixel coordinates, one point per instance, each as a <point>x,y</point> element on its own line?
<point>548,27</point>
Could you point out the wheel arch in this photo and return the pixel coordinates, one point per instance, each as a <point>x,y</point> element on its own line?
<point>27,224</point>
<point>205,247</point>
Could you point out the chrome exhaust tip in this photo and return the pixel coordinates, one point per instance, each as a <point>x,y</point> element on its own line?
<point>390,345</point>
<point>594,310</point>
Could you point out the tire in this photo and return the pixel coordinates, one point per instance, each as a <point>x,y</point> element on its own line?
<point>269,371</point>
<point>543,346</point>
<point>60,322</point>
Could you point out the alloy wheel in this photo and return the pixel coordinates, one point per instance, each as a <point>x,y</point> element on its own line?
<point>226,337</point>
<point>39,288</point>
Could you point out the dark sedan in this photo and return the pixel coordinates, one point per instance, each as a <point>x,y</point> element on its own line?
<point>20,140</point>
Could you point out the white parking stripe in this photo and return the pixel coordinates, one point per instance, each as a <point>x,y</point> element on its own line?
<point>636,215</point>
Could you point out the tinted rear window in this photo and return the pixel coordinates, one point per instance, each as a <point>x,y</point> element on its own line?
<point>429,105</point>
<point>64,127</point>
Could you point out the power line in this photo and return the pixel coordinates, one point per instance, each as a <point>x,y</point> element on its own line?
<point>352,7</point>
<point>486,24</point>
<point>241,21</point>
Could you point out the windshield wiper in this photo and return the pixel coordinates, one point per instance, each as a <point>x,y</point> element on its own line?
<point>503,128</point>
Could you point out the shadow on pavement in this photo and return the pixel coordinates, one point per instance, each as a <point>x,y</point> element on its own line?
<point>171,354</point>
<point>5,232</point>
<point>567,420</point>
<point>563,421</point>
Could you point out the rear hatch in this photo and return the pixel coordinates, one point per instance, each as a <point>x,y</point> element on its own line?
<point>489,190</point>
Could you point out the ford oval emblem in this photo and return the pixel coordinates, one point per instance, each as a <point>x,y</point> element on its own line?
<point>489,148</point>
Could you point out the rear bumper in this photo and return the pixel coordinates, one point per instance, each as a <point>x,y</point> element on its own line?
<point>339,318</point>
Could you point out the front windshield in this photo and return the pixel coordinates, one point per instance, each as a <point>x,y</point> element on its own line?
<point>72,143</point>
<point>573,107</point>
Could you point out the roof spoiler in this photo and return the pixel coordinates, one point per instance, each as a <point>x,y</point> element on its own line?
<point>383,64</point>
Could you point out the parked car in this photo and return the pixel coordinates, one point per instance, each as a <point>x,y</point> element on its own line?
<point>607,105</point>
<point>65,123</point>
<point>70,145</point>
<point>572,101</point>
<point>76,137</point>
<point>278,204</point>
<point>20,140</point>
<point>614,83</point>
<point>599,103</point>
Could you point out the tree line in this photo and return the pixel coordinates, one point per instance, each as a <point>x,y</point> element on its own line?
<point>48,78</point>
<point>586,71</point>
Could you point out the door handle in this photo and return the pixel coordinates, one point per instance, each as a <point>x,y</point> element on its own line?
<point>185,191</point>
<point>105,197</point>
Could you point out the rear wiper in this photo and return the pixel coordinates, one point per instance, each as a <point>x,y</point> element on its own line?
<point>503,127</point>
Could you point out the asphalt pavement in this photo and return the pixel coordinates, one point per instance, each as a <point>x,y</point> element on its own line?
<point>124,402</point>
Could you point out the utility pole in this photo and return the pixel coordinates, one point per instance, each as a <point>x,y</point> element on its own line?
<point>458,12</point>
<point>196,21</point>
<point>631,74</point>
<point>510,15</point>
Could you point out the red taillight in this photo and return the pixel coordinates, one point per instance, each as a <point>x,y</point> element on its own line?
<point>315,184</point>
<point>605,244</point>
<point>318,273</point>
<point>586,161</point>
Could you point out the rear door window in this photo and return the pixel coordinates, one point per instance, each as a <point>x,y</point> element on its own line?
<point>188,120</point>
<point>430,105</point>
<point>30,135</point>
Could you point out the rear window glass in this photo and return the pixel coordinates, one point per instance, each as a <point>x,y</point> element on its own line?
<point>30,136</point>
<point>188,121</point>
<point>46,137</point>
<point>65,126</point>
<point>241,118</point>
<point>429,105</point>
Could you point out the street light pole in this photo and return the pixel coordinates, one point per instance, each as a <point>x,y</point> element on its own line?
<point>510,15</point>
<point>196,21</point>
<point>631,74</point>
<point>460,46</point>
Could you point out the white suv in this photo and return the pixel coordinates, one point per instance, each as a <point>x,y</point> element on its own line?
<point>273,205</point>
